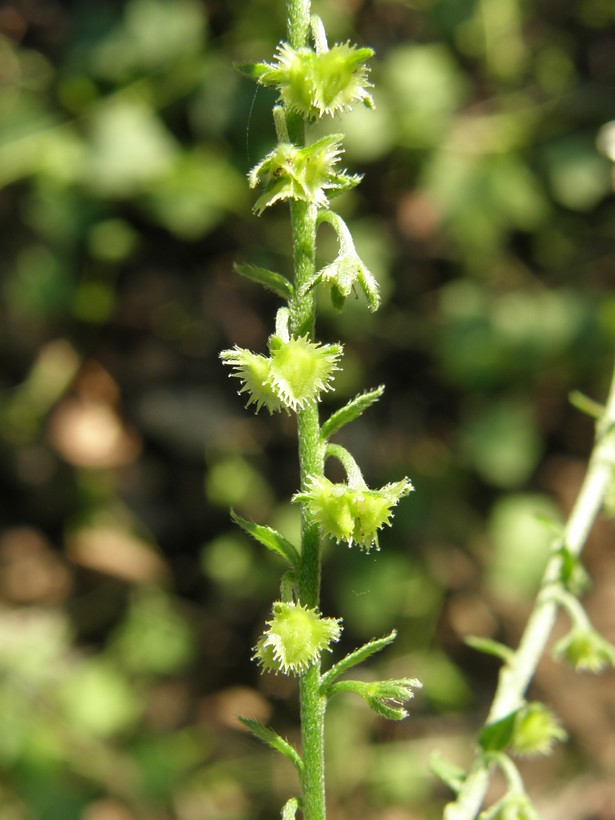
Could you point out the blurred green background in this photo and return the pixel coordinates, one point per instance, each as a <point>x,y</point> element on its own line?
<point>128,601</point>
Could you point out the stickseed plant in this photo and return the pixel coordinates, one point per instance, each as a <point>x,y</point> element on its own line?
<point>313,81</point>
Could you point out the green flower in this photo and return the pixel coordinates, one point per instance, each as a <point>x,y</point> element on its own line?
<point>295,638</point>
<point>347,269</point>
<point>352,514</point>
<point>301,174</point>
<point>315,83</point>
<point>294,375</point>
<point>535,730</point>
<point>586,650</point>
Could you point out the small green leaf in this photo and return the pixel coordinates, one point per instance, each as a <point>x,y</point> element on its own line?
<point>448,772</point>
<point>355,658</point>
<point>269,538</point>
<point>273,281</point>
<point>274,740</point>
<point>497,736</point>
<point>350,412</point>
<point>289,810</point>
<point>490,647</point>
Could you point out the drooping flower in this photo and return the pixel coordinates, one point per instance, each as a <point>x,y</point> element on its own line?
<point>315,83</point>
<point>302,174</point>
<point>347,269</point>
<point>586,650</point>
<point>296,372</point>
<point>295,638</point>
<point>386,697</point>
<point>352,514</point>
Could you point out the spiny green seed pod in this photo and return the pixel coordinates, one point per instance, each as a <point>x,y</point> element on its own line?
<point>586,650</point>
<point>301,370</point>
<point>314,84</point>
<point>535,731</point>
<point>295,638</point>
<point>296,373</point>
<point>301,174</point>
<point>255,373</point>
<point>352,514</point>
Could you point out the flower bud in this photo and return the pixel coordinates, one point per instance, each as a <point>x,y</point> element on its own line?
<point>586,650</point>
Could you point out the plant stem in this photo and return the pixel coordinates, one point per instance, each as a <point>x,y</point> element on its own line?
<point>311,457</point>
<point>516,676</point>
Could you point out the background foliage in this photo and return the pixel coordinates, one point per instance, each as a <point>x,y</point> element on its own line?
<point>128,600</point>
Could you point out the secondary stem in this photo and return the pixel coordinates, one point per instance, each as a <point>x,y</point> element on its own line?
<point>516,676</point>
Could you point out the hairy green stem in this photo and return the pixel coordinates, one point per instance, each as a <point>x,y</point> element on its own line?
<point>516,676</point>
<point>311,457</point>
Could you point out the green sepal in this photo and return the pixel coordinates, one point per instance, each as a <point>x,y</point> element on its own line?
<point>497,736</point>
<point>272,281</point>
<point>355,658</point>
<point>269,538</point>
<point>289,810</point>
<point>573,574</point>
<point>449,773</point>
<point>253,71</point>
<point>349,412</point>
<point>491,647</point>
<point>274,740</point>
<point>338,299</point>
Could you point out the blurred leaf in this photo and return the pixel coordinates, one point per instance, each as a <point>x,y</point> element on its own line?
<point>112,240</point>
<point>233,482</point>
<point>425,88</point>
<point>521,544</point>
<point>194,194</point>
<point>448,772</point>
<point>154,639</point>
<point>151,34</point>
<point>40,284</point>
<point>129,147</point>
<point>578,174</point>
<point>502,442</point>
<point>490,647</point>
<point>99,700</point>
